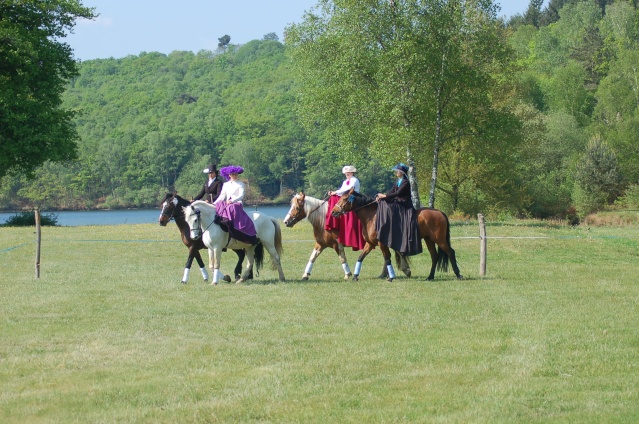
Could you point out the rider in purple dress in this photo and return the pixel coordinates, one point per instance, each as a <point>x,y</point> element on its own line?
<point>229,207</point>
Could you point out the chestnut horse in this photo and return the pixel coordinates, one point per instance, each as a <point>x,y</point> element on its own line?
<point>314,210</point>
<point>434,229</point>
<point>173,208</point>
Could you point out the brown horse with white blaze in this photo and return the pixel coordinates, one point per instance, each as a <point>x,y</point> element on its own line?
<point>434,229</point>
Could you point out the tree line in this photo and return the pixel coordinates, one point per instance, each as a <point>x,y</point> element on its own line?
<point>536,116</point>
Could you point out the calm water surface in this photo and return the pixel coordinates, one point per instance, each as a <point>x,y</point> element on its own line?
<point>133,216</point>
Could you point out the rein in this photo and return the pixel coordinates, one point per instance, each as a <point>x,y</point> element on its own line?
<point>342,212</point>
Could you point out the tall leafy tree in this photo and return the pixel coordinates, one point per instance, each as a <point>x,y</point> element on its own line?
<point>392,74</point>
<point>35,67</point>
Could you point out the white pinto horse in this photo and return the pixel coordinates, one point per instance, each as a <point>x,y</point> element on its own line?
<point>200,216</point>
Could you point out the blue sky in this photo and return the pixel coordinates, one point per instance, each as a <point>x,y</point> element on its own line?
<point>128,27</point>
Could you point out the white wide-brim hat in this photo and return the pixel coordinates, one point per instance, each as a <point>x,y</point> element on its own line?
<point>348,168</point>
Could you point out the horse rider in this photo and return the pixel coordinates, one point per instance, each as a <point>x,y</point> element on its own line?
<point>212,188</point>
<point>396,223</point>
<point>348,225</point>
<point>229,208</point>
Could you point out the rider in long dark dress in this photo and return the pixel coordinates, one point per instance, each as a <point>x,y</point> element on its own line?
<point>396,223</point>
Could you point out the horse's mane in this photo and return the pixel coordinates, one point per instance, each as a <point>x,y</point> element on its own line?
<point>200,203</point>
<point>361,200</point>
<point>315,211</point>
<point>181,201</point>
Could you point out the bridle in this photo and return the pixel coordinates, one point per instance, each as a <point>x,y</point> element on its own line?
<point>297,217</point>
<point>197,232</point>
<point>174,202</point>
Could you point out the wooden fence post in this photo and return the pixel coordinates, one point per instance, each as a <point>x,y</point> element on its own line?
<point>38,239</point>
<point>482,245</point>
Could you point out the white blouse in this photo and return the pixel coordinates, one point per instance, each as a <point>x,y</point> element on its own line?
<point>231,190</point>
<point>347,185</point>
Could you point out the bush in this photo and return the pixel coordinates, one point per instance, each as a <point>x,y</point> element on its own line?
<point>27,219</point>
<point>630,199</point>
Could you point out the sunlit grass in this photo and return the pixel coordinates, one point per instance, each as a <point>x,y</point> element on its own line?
<point>108,333</point>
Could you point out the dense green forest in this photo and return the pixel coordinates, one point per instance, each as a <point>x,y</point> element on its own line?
<point>564,143</point>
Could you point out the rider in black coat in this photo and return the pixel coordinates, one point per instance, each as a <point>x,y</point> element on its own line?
<point>212,188</point>
<point>396,222</point>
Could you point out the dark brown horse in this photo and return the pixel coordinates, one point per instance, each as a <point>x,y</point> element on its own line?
<point>434,229</point>
<point>173,208</point>
<point>314,210</point>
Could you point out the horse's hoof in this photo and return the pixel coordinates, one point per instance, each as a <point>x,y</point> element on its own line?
<point>408,274</point>
<point>240,281</point>
<point>355,278</point>
<point>183,282</point>
<point>460,277</point>
<point>390,280</point>
<point>238,276</point>
<point>227,278</point>
<point>304,278</point>
<point>348,276</point>
<point>214,283</point>
<point>430,279</point>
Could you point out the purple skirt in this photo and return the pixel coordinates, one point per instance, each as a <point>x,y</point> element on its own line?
<point>237,220</point>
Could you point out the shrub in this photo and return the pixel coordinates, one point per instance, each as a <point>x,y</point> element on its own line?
<point>27,219</point>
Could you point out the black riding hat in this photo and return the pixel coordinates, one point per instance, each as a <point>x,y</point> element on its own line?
<point>211,168</point>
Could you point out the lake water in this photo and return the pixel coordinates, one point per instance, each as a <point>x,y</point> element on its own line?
<point>131,216</point>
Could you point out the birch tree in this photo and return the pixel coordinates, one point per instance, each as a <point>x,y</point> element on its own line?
<point>401,77</point>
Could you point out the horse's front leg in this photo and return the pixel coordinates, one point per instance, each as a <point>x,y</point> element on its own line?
<point>387,262</point>
<point>317,250</point>
<point>358,265</point>
<point>215,258</point>
<point>250,259</point>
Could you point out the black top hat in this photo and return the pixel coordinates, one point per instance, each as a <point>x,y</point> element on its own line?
<point>211,168</point>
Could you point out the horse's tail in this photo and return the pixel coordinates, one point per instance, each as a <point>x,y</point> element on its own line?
<point>279,248</point>
<point>442,256</point>
<point>398,260</point>
<point>259,257</point>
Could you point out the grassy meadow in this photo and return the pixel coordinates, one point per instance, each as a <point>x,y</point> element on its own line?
<point>108,333</point>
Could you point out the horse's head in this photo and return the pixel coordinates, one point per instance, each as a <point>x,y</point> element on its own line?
<point>297,211</point>
<point>192,217</point>
<point>346,203</point>
<point>168,208</point>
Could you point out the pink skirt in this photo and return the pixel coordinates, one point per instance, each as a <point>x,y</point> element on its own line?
<point>348,226</point>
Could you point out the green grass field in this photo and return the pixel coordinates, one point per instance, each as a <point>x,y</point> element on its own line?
<point>108,333</point>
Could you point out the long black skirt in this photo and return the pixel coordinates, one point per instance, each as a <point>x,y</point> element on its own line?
<point>397,228</point>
